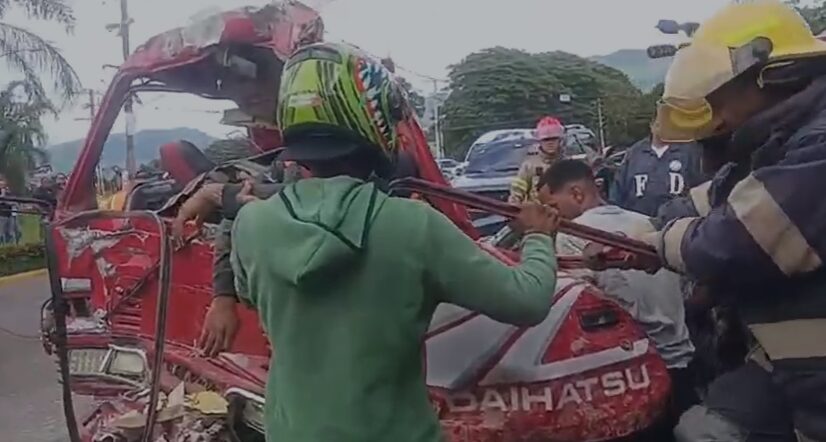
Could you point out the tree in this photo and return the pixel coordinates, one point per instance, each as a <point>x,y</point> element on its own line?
<point>21,133</point>
<point>814,14</point>
<point>413,96</point>
<point>501,88</point>
<point>30,55</point>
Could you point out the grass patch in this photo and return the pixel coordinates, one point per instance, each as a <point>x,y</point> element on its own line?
<point>22,258</point>
<point>30,229</point>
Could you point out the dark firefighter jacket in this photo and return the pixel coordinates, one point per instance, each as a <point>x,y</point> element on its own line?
<point>762,243</point>
<point>645,181</point>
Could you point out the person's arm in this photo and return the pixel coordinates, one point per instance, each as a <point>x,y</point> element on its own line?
<point>221,320</point>
<point>223,280</point>
<point>233,198</point>
<point>696,203</point>
<point>241,283</point>
<point>617,189</point>
<point>520,184</point>
<point>695,175</point>
<point>467,276</point>
<point>567,245</point>
<point>771,226</point>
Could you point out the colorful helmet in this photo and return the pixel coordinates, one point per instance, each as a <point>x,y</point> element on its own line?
<point>549,127</point>
<point>330,89</point>
<point>767,33</point>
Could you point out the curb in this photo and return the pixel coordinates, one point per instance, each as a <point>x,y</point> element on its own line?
<point>21,276</point>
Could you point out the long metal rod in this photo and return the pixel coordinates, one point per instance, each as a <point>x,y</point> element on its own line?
<point>507,210</point>
<point>60,310</point>
<point>162,308</point>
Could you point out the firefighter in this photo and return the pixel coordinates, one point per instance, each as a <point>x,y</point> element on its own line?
<point>654,172</point>
<point>550,133</point>
<point>753,83</point>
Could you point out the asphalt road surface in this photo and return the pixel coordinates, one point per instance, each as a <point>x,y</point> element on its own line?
<point>30,405</point>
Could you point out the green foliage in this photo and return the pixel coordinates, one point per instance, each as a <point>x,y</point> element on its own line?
<point>814,14</point>
<point>500,88</point>
<point>644,72</point>
<point>21,133</point>
<point>230,149</point>
<point>30,228</point>
<point>30,55</point>
<point>22,258</point>
<point>23,103</point>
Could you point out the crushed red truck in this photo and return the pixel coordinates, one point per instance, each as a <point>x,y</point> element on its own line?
<point>127,306</point>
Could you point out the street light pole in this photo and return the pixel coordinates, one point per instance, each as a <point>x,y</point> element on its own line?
<point>125,22</point>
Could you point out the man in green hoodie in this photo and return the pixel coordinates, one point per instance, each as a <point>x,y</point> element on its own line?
<point>346,279</point>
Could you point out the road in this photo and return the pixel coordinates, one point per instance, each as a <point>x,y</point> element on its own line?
<point>30,405</point>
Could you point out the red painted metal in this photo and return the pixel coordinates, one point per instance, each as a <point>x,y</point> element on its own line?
<point>488,382</point>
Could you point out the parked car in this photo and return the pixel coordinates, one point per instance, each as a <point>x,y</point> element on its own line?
<point>449,167</point>
<point>494,158</point>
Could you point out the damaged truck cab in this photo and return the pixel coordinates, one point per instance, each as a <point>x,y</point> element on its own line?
<point>127,305</point>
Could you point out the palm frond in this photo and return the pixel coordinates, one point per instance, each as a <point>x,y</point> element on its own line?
<point>29,54</point>
<point>51,10</point>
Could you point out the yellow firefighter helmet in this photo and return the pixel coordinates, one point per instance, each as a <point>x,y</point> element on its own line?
<point>738,37</point>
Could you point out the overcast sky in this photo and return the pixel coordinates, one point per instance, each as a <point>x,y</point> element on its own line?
<point>424,36</point>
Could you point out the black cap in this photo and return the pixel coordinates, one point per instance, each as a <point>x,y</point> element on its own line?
<point>317,150</point>
<point>309,146</point>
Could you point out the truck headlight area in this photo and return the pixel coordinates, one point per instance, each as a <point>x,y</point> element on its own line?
<point>116,363</point>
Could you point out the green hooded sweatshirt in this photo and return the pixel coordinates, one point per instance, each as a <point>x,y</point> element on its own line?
<point>346,280</point>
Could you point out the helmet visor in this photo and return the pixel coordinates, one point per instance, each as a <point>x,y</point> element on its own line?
<point>699,69</point>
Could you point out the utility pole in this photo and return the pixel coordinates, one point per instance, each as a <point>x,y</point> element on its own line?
<point>123,33</point>
<point>437,117</point>
<point>92,107</point>
<point>601,123</point>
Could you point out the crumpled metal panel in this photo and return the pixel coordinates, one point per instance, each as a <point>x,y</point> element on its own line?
<point>281,26</point>
<point>554,381</point>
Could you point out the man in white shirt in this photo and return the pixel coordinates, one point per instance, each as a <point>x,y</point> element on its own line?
<point>655,301</point>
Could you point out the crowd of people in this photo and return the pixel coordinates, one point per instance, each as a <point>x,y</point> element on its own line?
<point>724,190</point>
<point>11,230</point>
<point>9,221</point>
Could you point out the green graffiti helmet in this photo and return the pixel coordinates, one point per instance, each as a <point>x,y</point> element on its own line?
<point>334,91</point>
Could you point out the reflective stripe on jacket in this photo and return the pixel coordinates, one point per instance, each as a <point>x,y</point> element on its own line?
<point>763,241</point>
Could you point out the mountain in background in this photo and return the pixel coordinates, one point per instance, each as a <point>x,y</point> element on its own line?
<point>147,142</point>
<point>644,72</point>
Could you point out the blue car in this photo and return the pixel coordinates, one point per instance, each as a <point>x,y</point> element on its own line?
<point>493,160</point>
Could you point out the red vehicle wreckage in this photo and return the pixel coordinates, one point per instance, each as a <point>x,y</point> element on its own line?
<point>127,307</point>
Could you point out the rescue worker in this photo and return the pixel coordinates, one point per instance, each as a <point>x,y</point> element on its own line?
<point>550,132</point>
<point>347,308</point>
<point>753,82</point>
<point>221,321</point>
<point>653,172</point>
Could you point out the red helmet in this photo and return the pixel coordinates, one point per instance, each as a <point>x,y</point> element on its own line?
<point>549,127</point>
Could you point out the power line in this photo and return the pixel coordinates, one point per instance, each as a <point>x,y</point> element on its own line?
<point>400,67</point>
